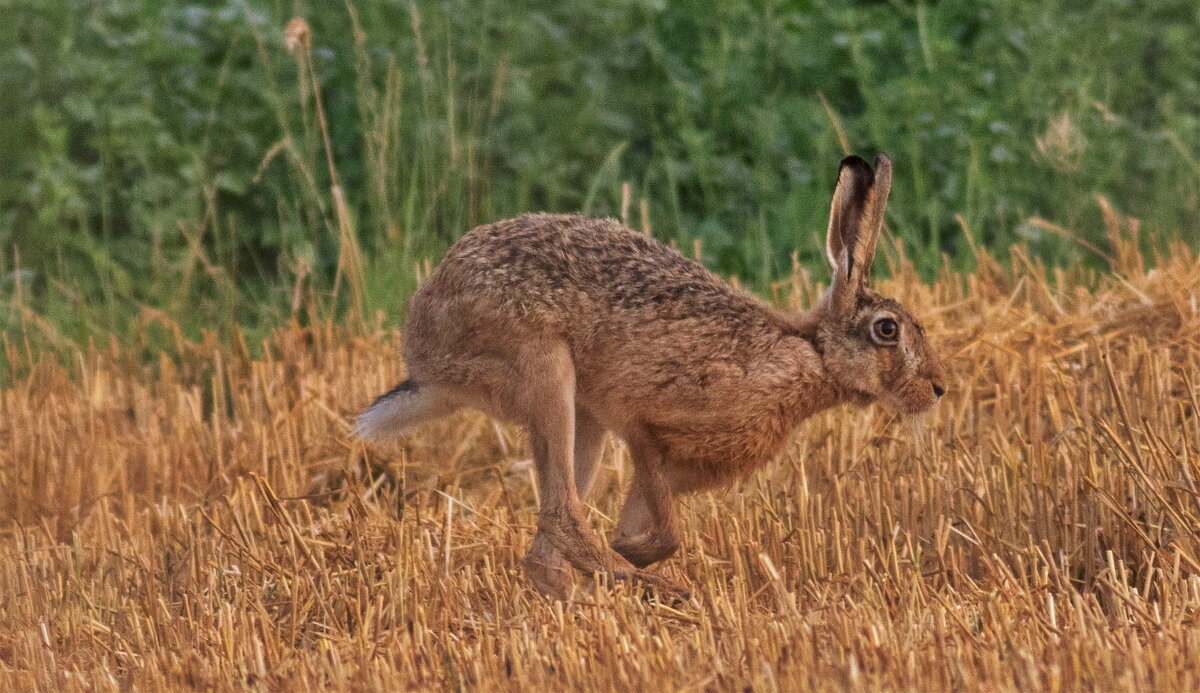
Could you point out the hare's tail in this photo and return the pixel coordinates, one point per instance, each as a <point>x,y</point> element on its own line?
<point>398,410</point>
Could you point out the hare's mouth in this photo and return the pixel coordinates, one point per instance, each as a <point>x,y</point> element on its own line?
<point>914,408</point>
<point>921,409</point>
<point>913,395</point>
<point>909,405</point>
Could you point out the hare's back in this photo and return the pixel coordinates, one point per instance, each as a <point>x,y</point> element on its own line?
<point>551,268</point>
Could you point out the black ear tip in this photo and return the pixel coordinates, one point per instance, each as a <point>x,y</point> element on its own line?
<point>855,161</point>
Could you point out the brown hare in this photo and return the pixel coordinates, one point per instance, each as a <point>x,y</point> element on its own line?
<point>574,327</point>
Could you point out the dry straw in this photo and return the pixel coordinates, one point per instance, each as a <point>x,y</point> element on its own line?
<point>204,522</point>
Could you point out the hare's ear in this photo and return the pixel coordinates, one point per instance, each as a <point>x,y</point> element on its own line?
<point>855,220</point>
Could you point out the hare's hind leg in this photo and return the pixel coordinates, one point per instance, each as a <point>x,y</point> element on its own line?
<point>547,401</point>
<point>398,410</point>
<point>544,564</point>
<point>547,398</point>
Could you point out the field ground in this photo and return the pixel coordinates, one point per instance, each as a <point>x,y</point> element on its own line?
<point>202,521</point>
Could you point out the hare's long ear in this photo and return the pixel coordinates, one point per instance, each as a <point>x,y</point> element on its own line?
<point>855,220</point>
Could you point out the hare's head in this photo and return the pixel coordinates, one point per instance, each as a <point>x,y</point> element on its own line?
<point>872,347</point>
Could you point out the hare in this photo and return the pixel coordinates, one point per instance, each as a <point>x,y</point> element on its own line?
<point>574,327</point>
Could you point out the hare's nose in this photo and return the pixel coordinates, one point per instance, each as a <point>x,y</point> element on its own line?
<point>938,390</point>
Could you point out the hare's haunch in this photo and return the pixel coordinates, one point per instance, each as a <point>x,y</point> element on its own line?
<point>573,327</point>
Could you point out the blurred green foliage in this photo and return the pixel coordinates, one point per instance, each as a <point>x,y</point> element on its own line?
<point>169,155</point>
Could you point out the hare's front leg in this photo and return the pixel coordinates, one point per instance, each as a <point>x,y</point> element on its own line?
<point>544,564</point>
<point>647,531</point>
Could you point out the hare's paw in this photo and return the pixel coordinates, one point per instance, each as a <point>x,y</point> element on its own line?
<point>648,548</point>
<point>549,571</point>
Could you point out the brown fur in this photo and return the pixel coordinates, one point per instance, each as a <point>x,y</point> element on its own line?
<point>574,326</point>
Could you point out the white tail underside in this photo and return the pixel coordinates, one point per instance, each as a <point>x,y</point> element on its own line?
<point>398,411</point>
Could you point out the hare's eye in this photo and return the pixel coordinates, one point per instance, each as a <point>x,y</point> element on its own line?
<point>885,330</point>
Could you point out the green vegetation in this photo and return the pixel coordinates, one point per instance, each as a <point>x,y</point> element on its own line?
<point>177,161</point>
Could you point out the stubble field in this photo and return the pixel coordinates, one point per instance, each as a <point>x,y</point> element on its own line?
<point>203,521</point>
